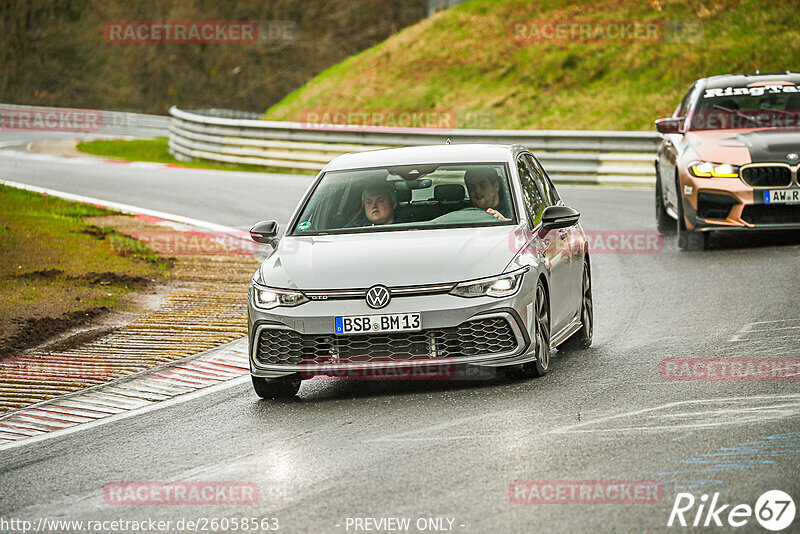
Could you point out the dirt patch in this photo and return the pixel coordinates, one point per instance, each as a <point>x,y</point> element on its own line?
<point>96,231</point>
<point>44,274</point>
<point>33,331</point>
<point>79,338</point>
<point>127,280</point>
<point>106,278</point>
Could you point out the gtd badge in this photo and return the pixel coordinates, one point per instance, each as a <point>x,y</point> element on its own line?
<point>378,297</point>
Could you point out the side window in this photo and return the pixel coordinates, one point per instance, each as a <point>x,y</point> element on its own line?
<point>531,197</point>
<point>542,181</point>
<point>683,107</point>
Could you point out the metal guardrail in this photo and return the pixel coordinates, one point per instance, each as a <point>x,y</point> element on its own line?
<point>569,156</point>
<point>40,118</point>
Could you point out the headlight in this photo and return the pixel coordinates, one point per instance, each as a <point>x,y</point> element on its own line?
<point>705,169</point>
<point>504,285</point>
<point>267,298</point>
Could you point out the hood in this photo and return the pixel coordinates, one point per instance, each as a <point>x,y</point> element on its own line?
<point>739,147</point>
<point>356,261</point>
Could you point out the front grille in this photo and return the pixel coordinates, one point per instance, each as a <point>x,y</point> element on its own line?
<point>714,205</point>
<point>478,337</point>
<point>771,213</point>
<point>777,176</point>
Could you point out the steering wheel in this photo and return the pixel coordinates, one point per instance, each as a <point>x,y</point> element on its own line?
<point>474,209</point>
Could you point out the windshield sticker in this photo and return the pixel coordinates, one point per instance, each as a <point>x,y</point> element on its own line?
<point>751,91</point>
<point>303,226</point>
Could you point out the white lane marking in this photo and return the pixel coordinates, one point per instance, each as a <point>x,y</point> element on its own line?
<point>414,434</point>
<point>775,329</point>
<point>186,397</point>
<point>775,321</point>
<point>13,142</point>
<point>746,352</point>
<point>752,328</point>
<point>758,415</point>
<point>126,208</point>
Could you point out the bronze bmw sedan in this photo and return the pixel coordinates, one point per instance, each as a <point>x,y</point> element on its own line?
<point>729,158</point>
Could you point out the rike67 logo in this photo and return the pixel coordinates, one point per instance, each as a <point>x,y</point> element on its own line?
<point>774,510</point>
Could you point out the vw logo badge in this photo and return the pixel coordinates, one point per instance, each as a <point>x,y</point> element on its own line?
<point>378,297</point>
<point>792,156</point>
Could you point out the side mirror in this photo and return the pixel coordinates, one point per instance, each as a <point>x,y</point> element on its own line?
<point>671,125</point>
<point>555,217</point>
<point>264,232</point>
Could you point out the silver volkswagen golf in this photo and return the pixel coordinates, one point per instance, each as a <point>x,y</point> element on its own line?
<point>407,258</point>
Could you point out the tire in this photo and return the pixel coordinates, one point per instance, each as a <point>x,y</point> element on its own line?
<point>542,337</point>
<point>687,239</point>
<point>664,222</point>
<point>582,339</point>
<point>276,388</point>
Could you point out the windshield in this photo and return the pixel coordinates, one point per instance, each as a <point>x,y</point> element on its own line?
<point>766,105</point>
<point>420,196</point>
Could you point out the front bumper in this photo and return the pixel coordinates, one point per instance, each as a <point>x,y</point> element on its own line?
<point>308,345</point>
<point>729,204</point>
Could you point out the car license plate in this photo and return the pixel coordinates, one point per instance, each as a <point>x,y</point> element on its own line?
<point>376,324</point>
<point>781,196</point>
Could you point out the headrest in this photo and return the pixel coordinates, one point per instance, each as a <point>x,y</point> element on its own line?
<point>728,103</point>
<point>793,103</point>
<point>403,195</point>
<point>481,172</point>
<point>448,192</point>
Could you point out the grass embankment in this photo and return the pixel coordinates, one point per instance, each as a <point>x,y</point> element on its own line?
<point>58,272</point>
<point>467,60</point>
<point>157,151</point>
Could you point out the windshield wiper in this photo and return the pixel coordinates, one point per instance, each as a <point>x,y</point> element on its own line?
<point>737,112</point>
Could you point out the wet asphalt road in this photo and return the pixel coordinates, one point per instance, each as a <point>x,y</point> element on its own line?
<point>346,449</point>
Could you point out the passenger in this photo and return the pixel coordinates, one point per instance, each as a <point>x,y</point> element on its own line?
<point>483,185</point>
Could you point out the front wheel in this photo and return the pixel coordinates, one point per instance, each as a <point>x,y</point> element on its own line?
<point>583,337</point>
<point>276,388</point>
<point>664,223</point>
<point>541,312</point>
<point>687,239</point>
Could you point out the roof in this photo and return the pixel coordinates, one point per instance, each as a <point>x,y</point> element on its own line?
<point>734,80</point>
<point>463,153</point>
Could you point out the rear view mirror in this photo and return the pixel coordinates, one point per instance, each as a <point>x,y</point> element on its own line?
<point>264,232</point>
<point>669,125</point>
<point>419,183</point>
<point>555,217</point>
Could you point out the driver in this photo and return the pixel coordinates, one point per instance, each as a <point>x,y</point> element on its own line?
<point>483,185</point>
<point>379,204</point>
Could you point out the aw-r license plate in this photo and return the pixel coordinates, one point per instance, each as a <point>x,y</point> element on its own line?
<point>376,324</point>
<point>781,196</point>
